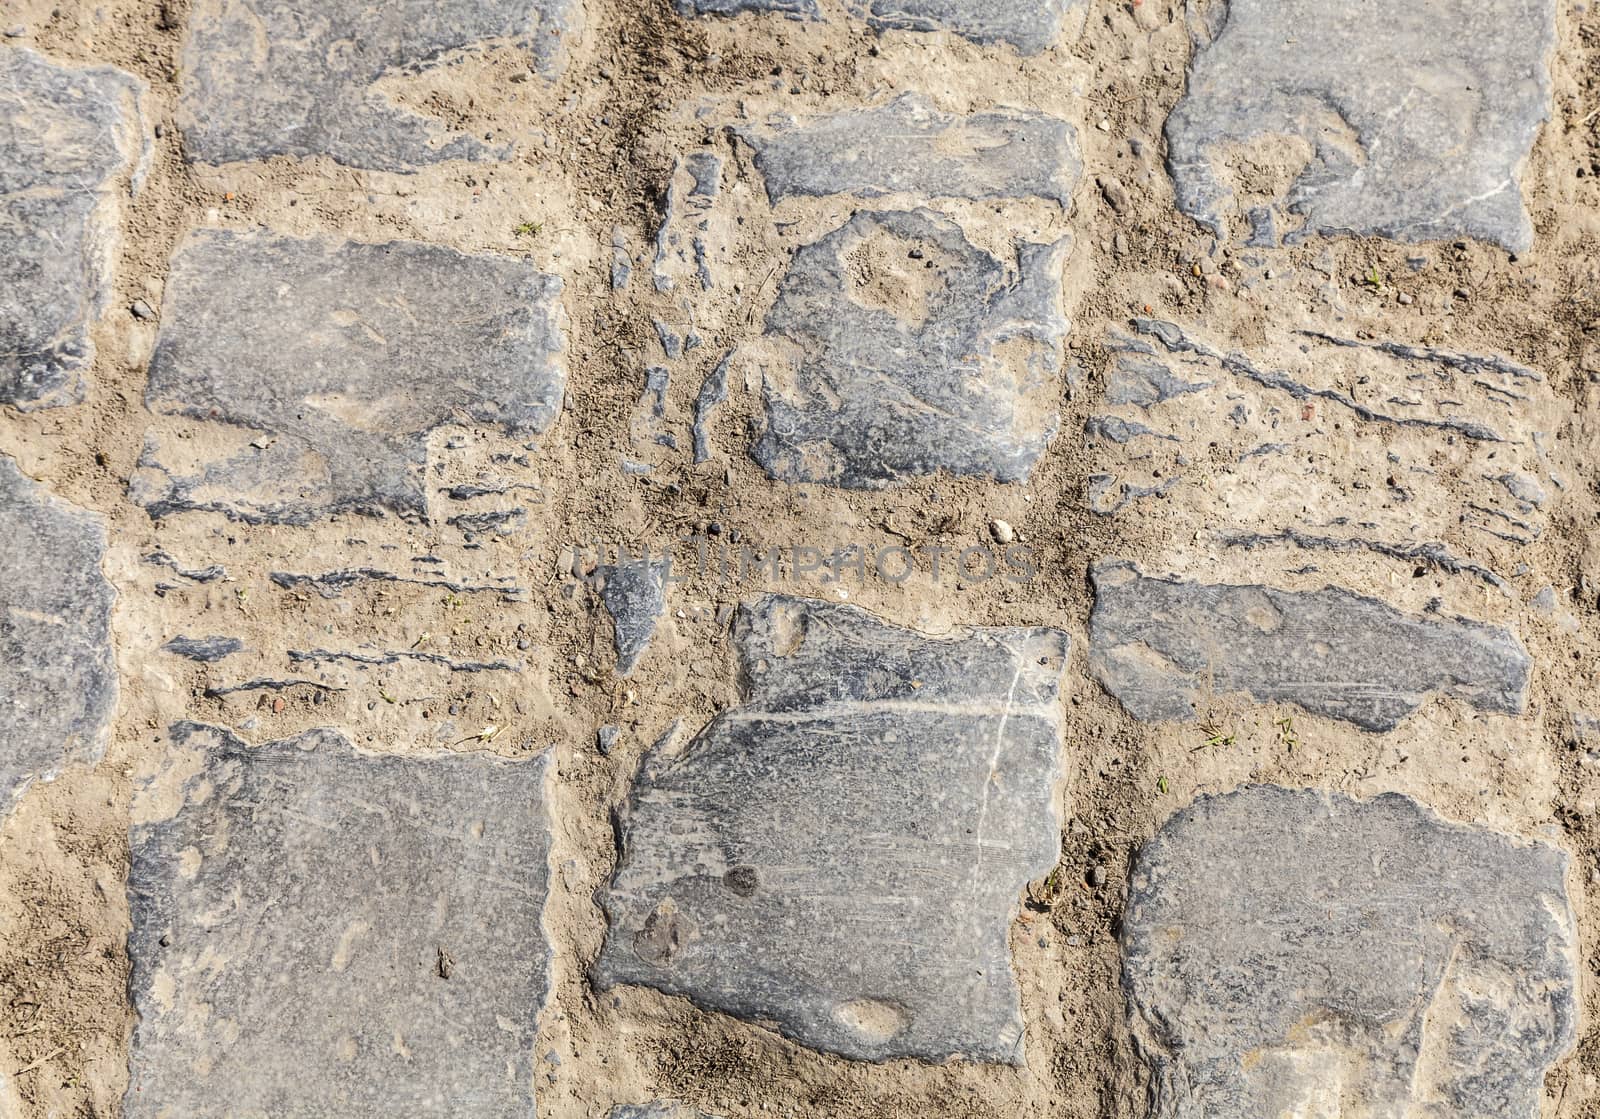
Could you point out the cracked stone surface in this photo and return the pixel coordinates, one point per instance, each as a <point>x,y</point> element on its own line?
<point>58,676</point>
<point>1410,121</point>
<point>1030,26</point>
<point>635,595</point>
<point>70,134</point>
<point>1331,444</point>
<point>319,369</point>
<point>1160,646</point>
<point>1286,952</point>
<point>962,377</point>
<point>319,932</point>
<point>842,855</point>
<point>909,146</point>
<point>796,9</point>
<point>207,650</point>
<point>301,78</point>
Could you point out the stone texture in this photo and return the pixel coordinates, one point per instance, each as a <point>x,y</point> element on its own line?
<point>1160,645</point>
<point>207,650</point>
<point>322,933</point>
<point>909,146</point>
<point>690,240</point>
<point>1302,953</point>
<point>635,595</point>
<point>901,349</point>
<point>1028,25</point>
<point>658,1110</point>
<point>1414,119</point>
<point>69,134</point>
<point>306,77</point>
<point>58,677</point>
<point>841,857</point>
<point>1312,440</point>
<point>795,9</point>
<point>322,368</point>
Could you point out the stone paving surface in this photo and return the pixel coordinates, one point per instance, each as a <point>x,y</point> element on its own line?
<point>339,336</point>
<point>965,381</point>
<point>71,133</point>
<point>306,77</point>
<point>1414,119</point>
<point>1160,645</point>
<point>1290,952</point>
<point>909,146</point>
<point>58,676</point>
<point>842,853</point>
<point>319,932</point>
<point>352,380</point>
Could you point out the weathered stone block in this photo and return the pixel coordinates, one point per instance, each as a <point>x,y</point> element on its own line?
<point>1161,645</point>
<point>305,77</point>
<point>795,9</point>
<point>635,595</point>
<point>909,146</point>
<point>1302,953</point>
<point>897,348</point>
<point>841,857</point>
<point>323,368</point>
<point>318,932</point>
<point>58,676</point>
<point>1028,25</point>
<point>1406,120</point>
<point>69,134</point>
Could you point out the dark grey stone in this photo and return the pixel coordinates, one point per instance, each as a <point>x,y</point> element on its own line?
<point>841,857</point>
<point>794,9</point>
<point>340,359</point>
<point>58,677</point>
<point>1029,25</point>
<point>207,650</point>
<point>635,595</point>
<point>69,133</point>
<point>324,933</point>
<point>909,146</point>
<point>304,77</point>
<point>659,1110</point>
<point>1302,953</point>
<point>713,394</point>
<point>932,356</point>
<point>1417,117</point>
<point>1159,646</point>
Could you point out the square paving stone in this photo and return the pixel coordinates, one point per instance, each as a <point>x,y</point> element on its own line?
<point>909,146</point>
<point>69,133</point>
<point>58,675</point>
<point>1161,646</point>
<point>841,857</point>
<point>1295,952</point>
<point>324,367</point>
<point>322,933</point>
<point>1408,120</point>
<point>901,349</point>
<point>302,77</point>
<point>1028,25</point>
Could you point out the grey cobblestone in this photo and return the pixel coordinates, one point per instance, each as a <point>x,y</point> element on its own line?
<point>842,854</point>
<point>318,932</point>
<point>1287,952</point>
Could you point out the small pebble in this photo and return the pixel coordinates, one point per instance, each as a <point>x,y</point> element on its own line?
<point>1405,299</point>
<point>16,32</point>
<point>142,310</point>
<point>1097,876</point>
<point>1002,532</point>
